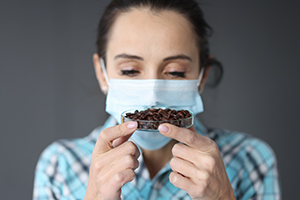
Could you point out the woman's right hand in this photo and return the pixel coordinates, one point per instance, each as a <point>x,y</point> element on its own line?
<point>114,160</point>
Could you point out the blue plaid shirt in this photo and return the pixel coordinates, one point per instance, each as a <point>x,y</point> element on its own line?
<point>63,169</point>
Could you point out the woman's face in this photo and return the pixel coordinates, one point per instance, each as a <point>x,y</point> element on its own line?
<point>147,45</point>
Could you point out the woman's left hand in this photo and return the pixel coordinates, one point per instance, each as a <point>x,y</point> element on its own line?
<point>197,165</point>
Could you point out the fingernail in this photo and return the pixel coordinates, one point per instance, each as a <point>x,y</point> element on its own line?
<point>132,125</point>
<point>163,128</point>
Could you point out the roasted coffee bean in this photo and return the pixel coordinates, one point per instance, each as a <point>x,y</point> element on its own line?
<point>143,117</point>
<point>151,113</point>
<point>180,114</point>
<point>152,118</point>
<point>156,118</point>
<point>185,112</point>
<point>129,114</point>
<point>165,119</point>
<point>160,111</point>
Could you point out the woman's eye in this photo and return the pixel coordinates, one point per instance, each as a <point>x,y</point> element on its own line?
<point>177,74</point>
<point>130,73</point>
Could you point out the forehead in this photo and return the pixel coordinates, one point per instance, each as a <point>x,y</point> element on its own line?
<point>149,32</point>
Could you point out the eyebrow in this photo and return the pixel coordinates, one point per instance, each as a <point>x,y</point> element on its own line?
<point>128,56</point>
<point>176,57</point>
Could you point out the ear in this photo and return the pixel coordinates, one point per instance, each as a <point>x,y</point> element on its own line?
<point>99,73</point>
<point>204,77</point>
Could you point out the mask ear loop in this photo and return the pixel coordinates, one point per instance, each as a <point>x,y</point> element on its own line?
<point>104,70</point>
<point>200,76</point>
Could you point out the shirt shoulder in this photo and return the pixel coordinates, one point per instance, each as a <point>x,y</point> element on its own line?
<point>233,143</point>
<point>250,164</point>
<point>71,149</point>
<point>62,169</point>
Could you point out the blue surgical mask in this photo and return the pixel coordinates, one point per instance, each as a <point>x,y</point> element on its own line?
<point>124,94</point>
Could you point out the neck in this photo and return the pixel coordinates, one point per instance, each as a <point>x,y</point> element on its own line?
<point>157,159</point>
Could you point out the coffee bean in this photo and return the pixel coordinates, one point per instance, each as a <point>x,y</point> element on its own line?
<point>150,118</point>
<point>165,119</point>
<point>180,114</point>
<point>156,118</point>
<point>159,116</point>
<point>151,113</point>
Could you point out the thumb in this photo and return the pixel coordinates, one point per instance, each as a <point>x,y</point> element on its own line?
<point>108,135</point>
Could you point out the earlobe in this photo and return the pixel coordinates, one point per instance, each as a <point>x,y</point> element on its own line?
<point>99,73</point>
<point>204,78</point>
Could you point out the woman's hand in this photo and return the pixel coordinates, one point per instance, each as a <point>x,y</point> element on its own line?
<point>197,165</point>
<point>114,160</point>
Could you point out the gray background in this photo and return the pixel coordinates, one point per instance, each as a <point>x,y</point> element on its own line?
<point>49,91</point>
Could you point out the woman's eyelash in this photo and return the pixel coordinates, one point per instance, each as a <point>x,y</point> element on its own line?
<point>177,74</point>
<point>129,72</point>
<point>133,72</point>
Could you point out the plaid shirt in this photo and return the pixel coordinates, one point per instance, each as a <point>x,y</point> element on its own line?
<point>63,169</point>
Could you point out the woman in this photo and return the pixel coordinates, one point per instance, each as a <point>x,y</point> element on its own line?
<point>148,48</point>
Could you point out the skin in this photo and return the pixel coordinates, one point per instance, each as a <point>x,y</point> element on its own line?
<point>150,45</point>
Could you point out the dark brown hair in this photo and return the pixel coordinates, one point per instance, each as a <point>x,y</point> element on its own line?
<point>188,8</point>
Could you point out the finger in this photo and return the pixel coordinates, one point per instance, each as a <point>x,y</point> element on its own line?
<point>113,188</point>
<point>186,184</point>
<point>123,177</point>
<point>108,135</point>
<point>189,170</point>
<point>199,159</point>
<point>192,128</point>
<point>183,167</point>
<point>181,182</point>
<point>126,162</point>
<point>185,152</point>
<point>127,148</point>
<point>123,164</point>
<point>120,141</point>
<point>186,136</point>
<point>105,162</point>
